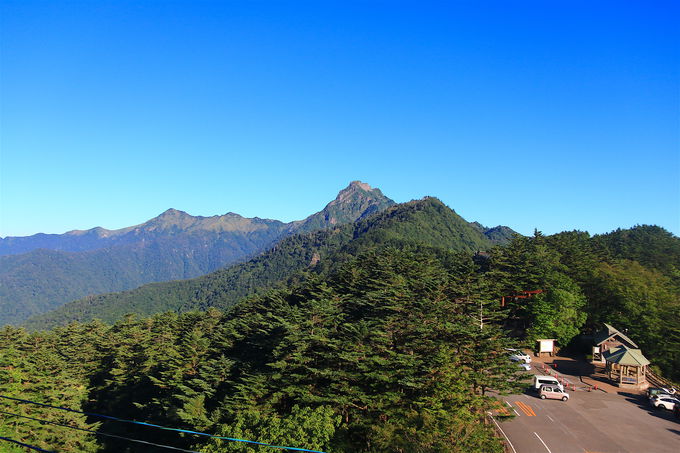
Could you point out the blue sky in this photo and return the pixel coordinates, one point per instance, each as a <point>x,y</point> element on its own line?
<point>532,114</point>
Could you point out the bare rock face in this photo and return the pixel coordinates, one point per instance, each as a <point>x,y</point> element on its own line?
<point>354,202</point>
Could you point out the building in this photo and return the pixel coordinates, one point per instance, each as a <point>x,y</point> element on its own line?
<point>626,367</point>
<point>608,339</point>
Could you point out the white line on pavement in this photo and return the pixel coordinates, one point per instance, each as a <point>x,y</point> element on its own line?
<point>517,413</point>
<point>551,419</point>
<point>546,447</point>
<point>505,435</point>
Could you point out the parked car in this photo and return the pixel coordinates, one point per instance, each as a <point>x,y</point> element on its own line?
<point>540,381</point>
<point>524,366</point>
<point>676,411</point>
<point>652,391</point>
<point>517,355</point>
<point>665,402</point>
<point>659,395</point>
<point>552,392</point>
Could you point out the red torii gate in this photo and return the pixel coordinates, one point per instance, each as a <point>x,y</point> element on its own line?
<point>522,295</point>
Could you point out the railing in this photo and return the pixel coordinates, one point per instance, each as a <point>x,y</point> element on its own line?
<point>658,381</point>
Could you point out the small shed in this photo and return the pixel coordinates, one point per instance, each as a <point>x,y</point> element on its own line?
<point>546,346</point>
<point>626,367</point>
<point>607,339</point>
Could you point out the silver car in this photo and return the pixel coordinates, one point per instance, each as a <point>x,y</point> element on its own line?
<point>552,392</point>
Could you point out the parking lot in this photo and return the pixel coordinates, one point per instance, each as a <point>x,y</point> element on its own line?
<point>591,421</point>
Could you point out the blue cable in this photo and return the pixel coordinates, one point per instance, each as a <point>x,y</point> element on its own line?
<point>32,447</point>
<point>197,433</point>
<point>98,432</point>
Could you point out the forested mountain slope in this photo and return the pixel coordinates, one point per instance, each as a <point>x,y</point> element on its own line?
<point>383,337</point>
<point>422,223</point>
<point>174,245</point>
<point>382,355</point>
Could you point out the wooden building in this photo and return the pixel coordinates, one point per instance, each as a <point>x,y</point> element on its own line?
<point>626,367</point>
<point>608,339</point>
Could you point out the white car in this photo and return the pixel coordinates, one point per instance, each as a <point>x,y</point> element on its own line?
<point>517,355</point>
<point>664,402</point>
<point>524,366</point>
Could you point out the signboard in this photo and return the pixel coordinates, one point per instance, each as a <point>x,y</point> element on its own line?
<point>546,345</point>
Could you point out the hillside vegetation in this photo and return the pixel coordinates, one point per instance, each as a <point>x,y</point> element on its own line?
<point>384,355</point>
<point>423,223</point>
<point>381,335</point>
<point>390,347</point>
<point>39,273</point>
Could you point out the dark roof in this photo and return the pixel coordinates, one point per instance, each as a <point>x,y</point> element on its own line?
<point>609,332</point>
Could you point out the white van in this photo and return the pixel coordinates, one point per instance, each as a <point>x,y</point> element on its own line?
<point>546,380</point>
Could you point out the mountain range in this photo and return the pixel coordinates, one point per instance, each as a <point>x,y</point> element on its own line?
<point>42,272</point>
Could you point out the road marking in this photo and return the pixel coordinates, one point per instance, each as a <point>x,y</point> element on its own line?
<point>523,408</point>
<point>550,418</point>
<point>503,432</point>
<point>546,447</point>
<point>513,409</point>
<point>526,409</point>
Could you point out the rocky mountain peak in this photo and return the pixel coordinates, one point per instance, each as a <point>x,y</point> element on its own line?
<point>355,201</point>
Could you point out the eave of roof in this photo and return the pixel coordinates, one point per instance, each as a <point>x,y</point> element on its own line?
<point>603,336</point>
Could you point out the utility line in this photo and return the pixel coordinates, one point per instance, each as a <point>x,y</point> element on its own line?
<point>32,447</point>
<point>98,432</point>
<point>196,433</point>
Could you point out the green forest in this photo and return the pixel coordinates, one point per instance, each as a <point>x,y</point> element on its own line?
<point>427,223</point>
<point>385,336</point>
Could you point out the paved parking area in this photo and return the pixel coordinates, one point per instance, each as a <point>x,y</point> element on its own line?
<point>590,422</point>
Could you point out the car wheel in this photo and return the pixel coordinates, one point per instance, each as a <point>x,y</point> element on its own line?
<point>564,398</point>
<point>542,397</point>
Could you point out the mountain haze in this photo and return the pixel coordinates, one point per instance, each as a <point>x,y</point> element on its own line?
<point>41,272</point>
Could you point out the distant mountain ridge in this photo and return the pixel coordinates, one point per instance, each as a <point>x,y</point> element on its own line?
<point>170,221</point>
<point>355,201</point>
<point>424,223</point>
<point>41,272</point>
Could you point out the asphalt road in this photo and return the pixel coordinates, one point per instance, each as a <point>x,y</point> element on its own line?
<point>590,422</point>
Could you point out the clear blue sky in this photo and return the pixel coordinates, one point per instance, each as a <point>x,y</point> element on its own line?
<point>532,114</point>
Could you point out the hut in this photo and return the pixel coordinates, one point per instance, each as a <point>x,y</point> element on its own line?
<point>607,339</point>
<point>626,367</point>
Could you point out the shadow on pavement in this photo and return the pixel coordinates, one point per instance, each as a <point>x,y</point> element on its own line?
<point>643,402</point>
<point>675,431</point>
<point>571,367</point>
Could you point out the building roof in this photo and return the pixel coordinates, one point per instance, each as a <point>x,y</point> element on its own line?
<point>609,332</point>
<point>624,356</point>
